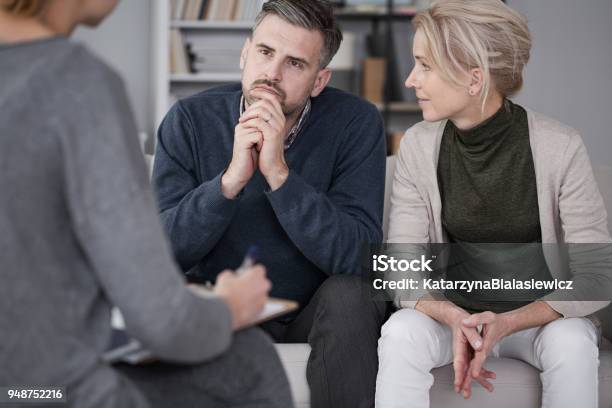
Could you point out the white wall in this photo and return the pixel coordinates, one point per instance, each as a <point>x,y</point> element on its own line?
<point>569,76</point>
<point>123,41</point>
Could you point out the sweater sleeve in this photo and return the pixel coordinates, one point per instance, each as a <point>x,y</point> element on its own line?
<point>194,213</point>
<point>330,228</point>
<point>584,223</point>
<point>408,222</point>
<point>117,225</point>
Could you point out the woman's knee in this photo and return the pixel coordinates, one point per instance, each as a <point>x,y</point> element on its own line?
<point>411,330</point>
<point>568,340</point>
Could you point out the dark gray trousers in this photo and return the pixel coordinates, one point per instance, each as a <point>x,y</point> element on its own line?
<point>249,374</point>
<point>342,325</point>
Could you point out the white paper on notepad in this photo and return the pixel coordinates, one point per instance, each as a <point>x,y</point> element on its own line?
<point>270,309</point>
<point>133,353</point>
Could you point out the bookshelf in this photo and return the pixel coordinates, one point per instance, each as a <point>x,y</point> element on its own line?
<point>211,25</point>
<point>226,38</point>
<point>205,77</point>
<point>168,84</point>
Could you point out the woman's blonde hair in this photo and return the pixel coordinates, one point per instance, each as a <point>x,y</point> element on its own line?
<point>464,34</point>
<point>25,8</point>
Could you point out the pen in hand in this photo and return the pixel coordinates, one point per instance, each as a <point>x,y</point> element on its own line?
<point>250,259</point>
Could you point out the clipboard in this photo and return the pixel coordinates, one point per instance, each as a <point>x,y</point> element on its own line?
<point>273,308</point>
<point>276,307</point>
<point>123,349</point>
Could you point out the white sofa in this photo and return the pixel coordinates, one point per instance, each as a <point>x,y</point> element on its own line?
<point>517,384</point>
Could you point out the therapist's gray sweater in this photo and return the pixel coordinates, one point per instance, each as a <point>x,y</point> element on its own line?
<point>79,231</point>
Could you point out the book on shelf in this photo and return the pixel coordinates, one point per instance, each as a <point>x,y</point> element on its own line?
<point>215,10</point>
<point>179,60</point>
<point>373,81</point>
<point>216,52</point>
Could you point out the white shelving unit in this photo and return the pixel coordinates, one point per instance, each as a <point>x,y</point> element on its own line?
<point>165,83</point>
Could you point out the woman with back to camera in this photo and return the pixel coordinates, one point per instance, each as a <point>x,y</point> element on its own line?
<point>482,169</point>
<point>80,232</point>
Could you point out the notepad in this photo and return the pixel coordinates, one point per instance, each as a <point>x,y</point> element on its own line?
<point>124,349</point>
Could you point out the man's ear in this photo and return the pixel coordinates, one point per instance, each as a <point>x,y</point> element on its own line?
<point>244,52</point>
<point>321,81</point>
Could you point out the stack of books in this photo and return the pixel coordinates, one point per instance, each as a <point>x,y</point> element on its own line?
<point>215,10</point>
<point>213,53</point>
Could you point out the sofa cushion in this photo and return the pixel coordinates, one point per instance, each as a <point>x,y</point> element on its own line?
<point>517,384</point>
<point>294,357</point>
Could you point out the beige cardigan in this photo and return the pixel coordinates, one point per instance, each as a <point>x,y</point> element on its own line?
<point>571,207</point>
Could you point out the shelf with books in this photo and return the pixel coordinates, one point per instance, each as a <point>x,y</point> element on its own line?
<point>214,10</point>
<point>212,25</point>
<point>196,47</point>
<point>206,77</point>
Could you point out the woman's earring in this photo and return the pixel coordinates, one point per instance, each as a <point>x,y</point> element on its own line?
<point>472,92</point>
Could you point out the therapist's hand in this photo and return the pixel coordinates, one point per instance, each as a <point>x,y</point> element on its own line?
<point>245,294</point>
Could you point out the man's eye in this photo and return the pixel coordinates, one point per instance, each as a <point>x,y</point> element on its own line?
<point>296,64</point>
<point>264,51</point>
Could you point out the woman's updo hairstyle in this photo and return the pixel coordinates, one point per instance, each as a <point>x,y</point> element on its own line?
<point>464,34</point>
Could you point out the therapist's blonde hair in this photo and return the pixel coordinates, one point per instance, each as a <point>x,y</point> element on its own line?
<point>464,34</point>
<point>25,8</point>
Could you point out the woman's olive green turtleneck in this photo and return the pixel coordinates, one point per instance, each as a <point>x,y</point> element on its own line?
<point>487,180</point>
<point>488,189</point>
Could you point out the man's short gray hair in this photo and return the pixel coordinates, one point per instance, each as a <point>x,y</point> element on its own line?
<point>310,14</point>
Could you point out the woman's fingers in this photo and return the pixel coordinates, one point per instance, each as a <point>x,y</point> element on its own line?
<point>486,384</point>
<point>473,337</point>
<point>478,319</point>
<point>488,374</point>
<point>466,387</point>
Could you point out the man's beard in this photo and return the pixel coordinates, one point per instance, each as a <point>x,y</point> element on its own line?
<point>288,111</point>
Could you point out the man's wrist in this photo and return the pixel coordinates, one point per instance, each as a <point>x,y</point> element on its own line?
<point>277,178</point>
<point>230,187</point>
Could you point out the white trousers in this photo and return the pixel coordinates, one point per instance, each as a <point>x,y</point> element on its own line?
<point>412,344</point>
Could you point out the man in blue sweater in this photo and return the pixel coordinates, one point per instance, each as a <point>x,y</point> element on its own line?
<point>297,168</point>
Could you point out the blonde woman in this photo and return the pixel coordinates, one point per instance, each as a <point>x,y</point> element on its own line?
<point>482,169</point>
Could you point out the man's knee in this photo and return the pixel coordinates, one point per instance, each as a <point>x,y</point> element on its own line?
<point>341,296</point>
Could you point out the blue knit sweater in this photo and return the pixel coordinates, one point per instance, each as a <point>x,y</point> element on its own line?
<point>313,226</point>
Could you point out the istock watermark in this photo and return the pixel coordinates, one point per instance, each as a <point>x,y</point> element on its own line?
<point>384,263</point>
